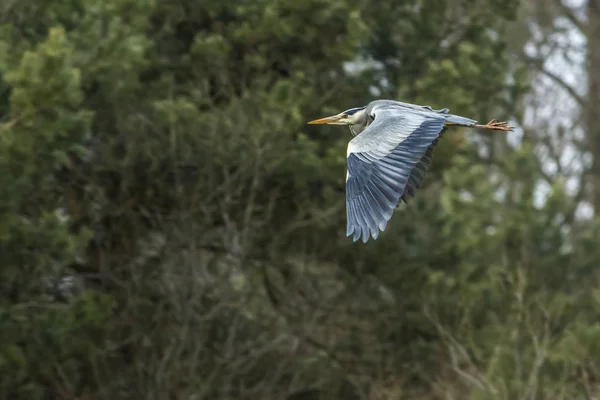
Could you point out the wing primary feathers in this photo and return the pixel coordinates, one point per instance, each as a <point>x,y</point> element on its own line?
<point>369,214</point>
<point>419,172</point>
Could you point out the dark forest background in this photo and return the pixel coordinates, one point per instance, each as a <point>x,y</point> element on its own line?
<point>170,227</point>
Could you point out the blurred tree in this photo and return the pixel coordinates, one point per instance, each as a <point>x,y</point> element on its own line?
<point>591,30</point>
<point>564,53</point>
<point>171,229</point>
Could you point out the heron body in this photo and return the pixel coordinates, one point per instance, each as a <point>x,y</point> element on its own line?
<point>389,156</point>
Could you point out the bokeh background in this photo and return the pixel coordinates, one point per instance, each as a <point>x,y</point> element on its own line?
<point>170,227</point>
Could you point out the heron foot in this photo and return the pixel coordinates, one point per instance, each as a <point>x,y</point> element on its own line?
<point>496,126</point>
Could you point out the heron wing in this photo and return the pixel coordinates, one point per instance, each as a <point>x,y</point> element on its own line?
<point>380,163</point>
<point>418,173</point>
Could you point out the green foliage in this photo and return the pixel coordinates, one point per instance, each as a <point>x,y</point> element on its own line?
<point>171,228</point>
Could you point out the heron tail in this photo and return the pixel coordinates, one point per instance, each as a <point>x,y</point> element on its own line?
<point>460,121</point>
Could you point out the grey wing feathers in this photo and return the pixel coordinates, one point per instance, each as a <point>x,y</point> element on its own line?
<point>401,104</point>
<point>380,163</point>
<point>418,173</point>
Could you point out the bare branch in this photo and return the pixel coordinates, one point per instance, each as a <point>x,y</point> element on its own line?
<point>539,66</point>
<point>568,13</point>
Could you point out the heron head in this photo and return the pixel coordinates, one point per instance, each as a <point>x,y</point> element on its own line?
<point>348,117</point>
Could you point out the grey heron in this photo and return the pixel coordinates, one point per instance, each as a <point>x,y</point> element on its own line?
<point>389,156</point>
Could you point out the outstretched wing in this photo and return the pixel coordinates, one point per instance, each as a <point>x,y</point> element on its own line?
<point>380,163</point>
<point>418,173</point>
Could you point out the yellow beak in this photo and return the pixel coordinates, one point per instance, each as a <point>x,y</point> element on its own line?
<point>334,119</point>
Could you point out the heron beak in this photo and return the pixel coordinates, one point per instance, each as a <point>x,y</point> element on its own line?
<point>334,120</point>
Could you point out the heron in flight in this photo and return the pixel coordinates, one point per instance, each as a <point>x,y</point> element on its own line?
<point>389,157</point>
